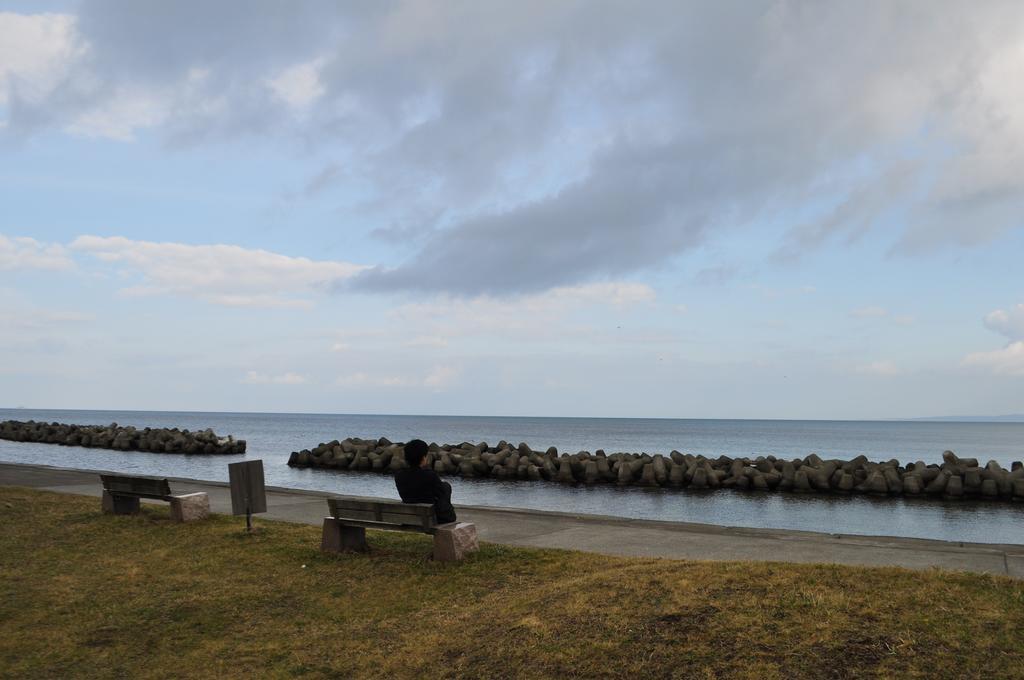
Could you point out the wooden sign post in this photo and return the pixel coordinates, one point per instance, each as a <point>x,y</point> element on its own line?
<point>248,493</point>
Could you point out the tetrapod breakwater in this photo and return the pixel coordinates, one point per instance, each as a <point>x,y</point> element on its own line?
<point>114,436</point>
<point>955,478</point>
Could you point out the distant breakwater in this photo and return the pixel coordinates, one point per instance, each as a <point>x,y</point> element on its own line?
<point>113,436</point>
<point>955,478</point>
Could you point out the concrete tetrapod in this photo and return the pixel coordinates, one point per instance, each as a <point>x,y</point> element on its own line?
<point>128,438</point>
<point>954,478</point>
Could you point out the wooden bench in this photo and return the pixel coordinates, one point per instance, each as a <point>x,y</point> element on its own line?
<point>345,529</point>
<point>121,496</point>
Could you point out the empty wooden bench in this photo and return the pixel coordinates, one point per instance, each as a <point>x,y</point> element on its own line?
<point>121,496</point>
<point>345,528</point>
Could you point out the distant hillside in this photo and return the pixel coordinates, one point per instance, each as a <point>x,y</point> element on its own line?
<point>1012,418</point>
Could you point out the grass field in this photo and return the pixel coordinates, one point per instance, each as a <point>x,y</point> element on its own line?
<point>92,595</point>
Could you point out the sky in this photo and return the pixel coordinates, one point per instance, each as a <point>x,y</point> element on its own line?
<point>608,209</point>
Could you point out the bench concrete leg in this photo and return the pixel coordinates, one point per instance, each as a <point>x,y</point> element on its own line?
<point>120,505</point>
<point>339,538</point>
<point>190,507</point>
<point>454,541</point>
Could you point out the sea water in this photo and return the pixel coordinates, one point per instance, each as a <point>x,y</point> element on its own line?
<point>273,436</point>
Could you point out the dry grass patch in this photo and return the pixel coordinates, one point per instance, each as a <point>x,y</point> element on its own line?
<point>92,595</point>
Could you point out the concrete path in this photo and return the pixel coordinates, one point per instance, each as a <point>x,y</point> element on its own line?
<point>609,535</point>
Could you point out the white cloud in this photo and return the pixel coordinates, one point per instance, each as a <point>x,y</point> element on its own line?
<point>121,112</point>
<point>613,293</point>
<point>437,379</point>
<point>1006,361</point>
<point>219,274</point>
<point>36,339</point>
<point>659,161</point>
<point>362,379</point>
<point>43,56</point>
<point>880,368</point>
<point>991,120</point>
<point>46,62</point>
<point>22,252</point>
<point>289,378</point>
<point>36,51</point>
<point>557,315</point>
<point>118,116</point>
<point>1007,322</point>
<point>441,377</point>
<point>264,301</point>
<point>23,318</point>
<point>1010,359</point>
<point>298,86</point>
<point>523,311</point>
<point>45,319</point>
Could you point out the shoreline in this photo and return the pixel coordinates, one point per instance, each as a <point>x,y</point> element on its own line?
<point>604,534</point>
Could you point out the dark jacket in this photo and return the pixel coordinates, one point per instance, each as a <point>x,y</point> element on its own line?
<point>422,485</point>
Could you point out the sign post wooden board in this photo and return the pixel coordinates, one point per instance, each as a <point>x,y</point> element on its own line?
<point>248,493</point>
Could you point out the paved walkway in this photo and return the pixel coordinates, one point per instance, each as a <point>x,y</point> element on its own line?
<point>609,535</point>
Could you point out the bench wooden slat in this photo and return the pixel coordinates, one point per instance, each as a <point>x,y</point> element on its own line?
<point>367,515</point>
<point>147,487</point>
<point>394,507</point>
<point>383,514</point>
<point>415,514</point>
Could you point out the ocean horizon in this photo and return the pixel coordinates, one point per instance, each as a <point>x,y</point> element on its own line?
<point>1003,418</point>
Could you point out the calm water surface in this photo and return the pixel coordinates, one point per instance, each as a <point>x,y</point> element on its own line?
<point>273,437</point>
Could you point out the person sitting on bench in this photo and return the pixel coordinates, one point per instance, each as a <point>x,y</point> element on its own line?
<point>420,484</point>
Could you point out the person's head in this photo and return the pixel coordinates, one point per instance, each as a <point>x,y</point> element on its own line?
<point>415,453</point>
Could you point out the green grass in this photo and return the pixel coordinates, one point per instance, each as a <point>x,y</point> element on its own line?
<point>84,594</point>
